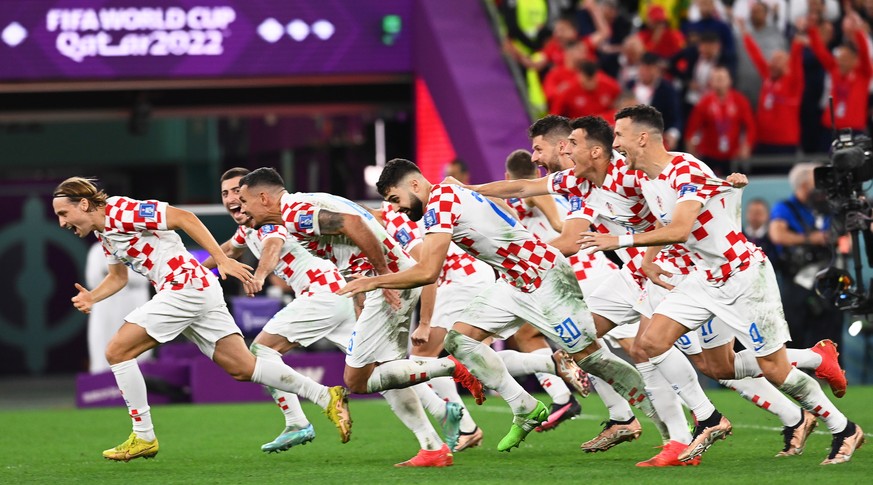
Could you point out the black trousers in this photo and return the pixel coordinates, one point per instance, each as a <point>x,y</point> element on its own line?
<point>809,317</point>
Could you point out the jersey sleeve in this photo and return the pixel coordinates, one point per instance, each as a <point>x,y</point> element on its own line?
<point>692,183</point>
<point>564,183</point>
<point>443,209</point>
<point>239,238</point>
<point>129,215</point>
<point>301,217</point>
<point>269,231</point>
<point>404,230</point>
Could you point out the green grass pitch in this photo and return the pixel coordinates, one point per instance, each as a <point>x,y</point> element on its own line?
<point>220,444</point>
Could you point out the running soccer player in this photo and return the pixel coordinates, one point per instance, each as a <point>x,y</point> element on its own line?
<point>317,312</point>
<point>733,279</point>
<point>348,235</point>
<point>140,234</point>
<point>536,285</point>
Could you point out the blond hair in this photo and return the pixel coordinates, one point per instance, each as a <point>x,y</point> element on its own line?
<point>78,188</point>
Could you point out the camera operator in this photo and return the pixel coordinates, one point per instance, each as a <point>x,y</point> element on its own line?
<point>801,234</point>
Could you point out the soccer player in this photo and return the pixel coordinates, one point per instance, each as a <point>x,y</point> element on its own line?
<point>536,285</point>
<point>733,279</point>
<point>317,311</point>
<point>461,278</point>
<point>347,234</point>
<point>140,234</point>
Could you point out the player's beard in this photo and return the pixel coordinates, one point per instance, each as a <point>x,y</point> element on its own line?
<point>416,208</point>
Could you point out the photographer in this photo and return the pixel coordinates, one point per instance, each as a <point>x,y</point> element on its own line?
<point>803,247</point>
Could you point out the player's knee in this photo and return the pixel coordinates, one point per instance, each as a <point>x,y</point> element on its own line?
<point>637,354</point>
<point>354,383</point>
<point>453,341</point>
<point>650,346</point>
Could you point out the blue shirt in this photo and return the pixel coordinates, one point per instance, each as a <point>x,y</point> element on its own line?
<point>785,212</point>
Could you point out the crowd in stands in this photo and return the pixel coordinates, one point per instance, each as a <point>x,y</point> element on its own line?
<point>732,79</point>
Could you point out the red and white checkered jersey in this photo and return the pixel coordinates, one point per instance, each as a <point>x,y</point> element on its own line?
<point>489,234</point>
<point>302,271</point>
<point>716,244</point>
<point>616,207</point>
<point>407,232</point>
<point>535,220</point>
<point>135,233</point>
<point>300,213</point>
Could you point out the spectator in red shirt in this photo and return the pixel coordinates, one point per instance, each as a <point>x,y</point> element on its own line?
<point>850,70</point>
<point>593,94</point>
<point>560,78</point>
<point>657,35</point>
<point>721,128</point>
<point>778,115</point>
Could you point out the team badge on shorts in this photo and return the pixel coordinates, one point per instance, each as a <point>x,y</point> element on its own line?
<point>147,211</point>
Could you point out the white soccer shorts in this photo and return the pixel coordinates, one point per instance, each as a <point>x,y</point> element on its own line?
<point>199,315</point>
<point>556,309</point>
<point>748,303</point>
<point>381,333</point>
<point>310,318</point>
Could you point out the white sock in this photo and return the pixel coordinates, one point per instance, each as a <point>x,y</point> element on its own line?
<point>279,376</point>
<point>486,365</point>
<point>677,370</point>
<point>405,372</point>
<point>666,403</point>
<point>807,392</point>
<point>133,390</point>
<point>804,359</point>
<point>446,389</point>
<point>618,407</point>
<point>552,384</point>
<point>407,407</point>
<point>287,402</point>
<point>432,403</point>
<point>761,393</point>
<point>524,363</point>
<point>746,365</point>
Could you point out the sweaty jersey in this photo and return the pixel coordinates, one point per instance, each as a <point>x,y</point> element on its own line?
<point>485,231</point>
<point>135,233</point>
<point>407,232</point>
<point>716,244</point>
<point>302,271</point>
<point>300,213</point>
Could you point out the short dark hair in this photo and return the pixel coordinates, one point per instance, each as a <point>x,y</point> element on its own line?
<point>550,126</point>
<point>263,176</point>
<point>234,173</point>
<point>597,130</point>
<point>588,68</point>
<point>519,164</point>
<point>709,37</point>
<point>460,163</point>
<point>395,171</point>
<point>761,201</point>
<point>643,114</point>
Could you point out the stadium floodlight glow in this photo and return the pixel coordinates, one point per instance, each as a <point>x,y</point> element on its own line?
<point>858,326</point>
<point>391,26</point>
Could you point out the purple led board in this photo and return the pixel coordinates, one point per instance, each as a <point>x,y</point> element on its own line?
<point>45,40</point>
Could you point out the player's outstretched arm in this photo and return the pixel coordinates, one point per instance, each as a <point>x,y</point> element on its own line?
<point>229,249</point>
<point>568,242</point>
<point>193,227</point>
<point>520,188</point>
<point>270,253</point>
<point>427,300</point>
<point>676,232</point>
<point>547,204</point>
<point>112,283</point>
<point>353,227</point>
<point>434,248</point>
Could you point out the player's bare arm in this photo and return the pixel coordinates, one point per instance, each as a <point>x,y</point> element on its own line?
<point>112,283</point>
<point>549,208</point>
<point>353,227</point>
<point>229,249</point>
<point>421,335</point>
<point>434,248</point>
<point>268,261</point>
<point>652,270</point>
<point>193,227</point>
<point>676,232</point>
<point>568,242</point>
<point>520,188</point>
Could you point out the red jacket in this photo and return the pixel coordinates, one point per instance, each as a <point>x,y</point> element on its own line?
<point>576,101</point>
<point>716,125</point>
<point>555,52</point>
<point>670,43</point>
<point>778,114</point>
<point>850,92</point>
